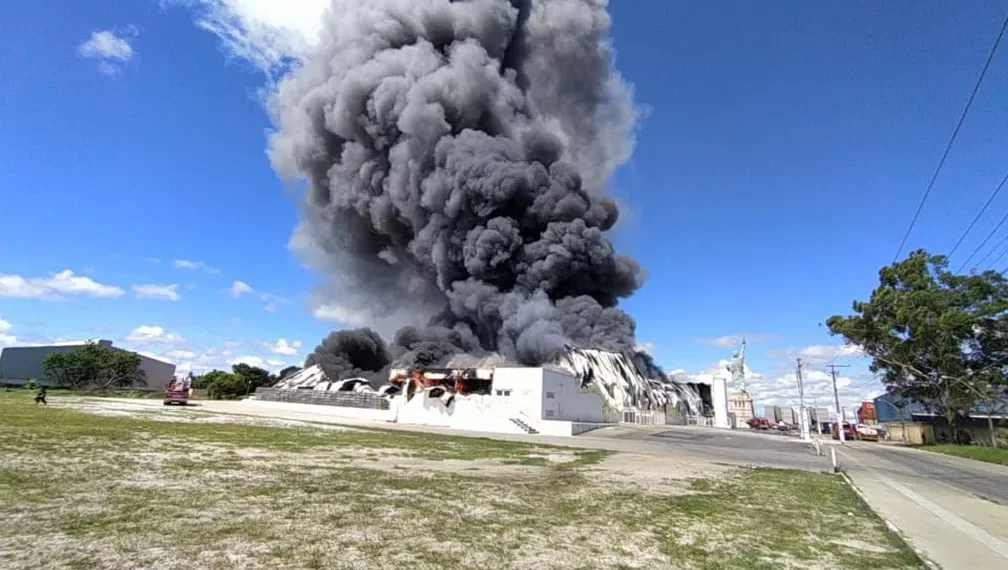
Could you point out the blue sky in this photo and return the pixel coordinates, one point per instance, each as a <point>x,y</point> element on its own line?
<point>783,152</point>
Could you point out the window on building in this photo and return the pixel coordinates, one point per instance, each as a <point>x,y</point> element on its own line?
<point>549,413</point>
<point>550,395</point>
<point>507,392</point>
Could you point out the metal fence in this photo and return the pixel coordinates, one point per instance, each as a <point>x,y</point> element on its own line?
<point>319,398</point>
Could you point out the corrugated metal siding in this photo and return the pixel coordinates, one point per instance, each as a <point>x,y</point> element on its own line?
<point>18,364</point>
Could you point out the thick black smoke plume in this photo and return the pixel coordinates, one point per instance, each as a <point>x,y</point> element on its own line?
<point>457,154</point>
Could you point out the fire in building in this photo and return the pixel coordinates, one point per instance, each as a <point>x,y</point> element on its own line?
<point>580,390</point>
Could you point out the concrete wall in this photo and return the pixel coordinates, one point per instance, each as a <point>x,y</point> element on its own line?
<point>319,398</point>
<point>18,364</point>
<point>719,401</point>
<point>472,413</point>
<point>563,399</point>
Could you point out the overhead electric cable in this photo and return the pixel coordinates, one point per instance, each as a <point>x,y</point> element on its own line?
<point>948,147</point>
<point>990,252</point>
<point>981,213</point>
<point>997,259</point>
<point>983,243</point>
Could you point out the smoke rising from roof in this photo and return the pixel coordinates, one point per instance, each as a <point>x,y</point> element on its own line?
<point>457,155</point>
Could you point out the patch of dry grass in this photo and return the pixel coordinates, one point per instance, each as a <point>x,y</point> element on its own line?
<point>85,491</point>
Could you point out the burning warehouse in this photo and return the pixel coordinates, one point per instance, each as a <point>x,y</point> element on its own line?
<point>456,158</point>
<point>577,391</point>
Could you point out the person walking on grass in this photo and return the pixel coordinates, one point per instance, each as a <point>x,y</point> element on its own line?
<point>40,396</point>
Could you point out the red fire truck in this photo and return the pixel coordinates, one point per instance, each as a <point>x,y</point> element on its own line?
<point>177,391</point>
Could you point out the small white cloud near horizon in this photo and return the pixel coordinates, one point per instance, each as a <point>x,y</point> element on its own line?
<point>55,286</point>
<point>158,292</point>
<point>284,348</point>
<point>195,266</point>
<point>782,389</point>
<point>147,334</point>
<point>110,49</point>
<point>6,339</point>
<point>259,362</point>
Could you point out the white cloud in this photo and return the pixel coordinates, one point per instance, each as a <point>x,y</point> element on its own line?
<point>154,259</point>
<point>159,292</point>
<point>735,340</point>
<point>239,288</point>
<point>819,354</point>
<point>6,339</point>
<point>180,355</point>
<point>342,315</point>
<point>284,348</point>
<point>146,334</point>
<point>55,286</point>
<point>645,347</point>
<point>195,266</point>
<point>110,49</point>
<point>259,362</point>
<point>264,32</point>
<point>781,388</point>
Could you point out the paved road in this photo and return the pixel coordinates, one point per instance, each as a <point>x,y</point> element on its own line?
<point>955,510</point>
<point>735,447</point>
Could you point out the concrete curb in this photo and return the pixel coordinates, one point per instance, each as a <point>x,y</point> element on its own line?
<point>892,528</point>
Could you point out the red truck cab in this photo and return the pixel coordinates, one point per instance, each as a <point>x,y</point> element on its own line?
<point>850,434</point>
<point>177,392</point>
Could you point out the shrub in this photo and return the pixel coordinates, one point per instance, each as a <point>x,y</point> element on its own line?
<point>226,386</point>
<point>31,384</point>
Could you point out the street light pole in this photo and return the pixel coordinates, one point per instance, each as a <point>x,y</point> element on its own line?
<point>801,403</point>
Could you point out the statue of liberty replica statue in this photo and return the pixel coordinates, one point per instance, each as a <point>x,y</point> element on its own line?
<point>740,404</point>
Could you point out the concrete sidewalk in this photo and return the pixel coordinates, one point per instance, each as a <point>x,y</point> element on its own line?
<point>934,503</point>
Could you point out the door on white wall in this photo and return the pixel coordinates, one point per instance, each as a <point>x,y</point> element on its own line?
<point>551,408</point>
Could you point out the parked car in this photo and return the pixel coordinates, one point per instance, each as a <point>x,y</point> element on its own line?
<point>866,432</point>
<point>848,430</point>
<point>758,423</point>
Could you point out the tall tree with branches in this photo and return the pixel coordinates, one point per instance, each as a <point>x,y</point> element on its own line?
<point>934,336</point>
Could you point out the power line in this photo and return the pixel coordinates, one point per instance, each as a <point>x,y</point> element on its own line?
<point>983,243</point>
<point>997,259</point>
<point>981,213</point>
<point>948,147</point>
<point>990,252</point>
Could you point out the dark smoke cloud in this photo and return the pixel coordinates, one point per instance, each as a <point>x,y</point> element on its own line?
<point>358,353</point>
<point>457,154</point>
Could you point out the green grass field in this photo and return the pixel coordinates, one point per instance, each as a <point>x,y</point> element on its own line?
<point>979,453</point>
<point>88,491</point>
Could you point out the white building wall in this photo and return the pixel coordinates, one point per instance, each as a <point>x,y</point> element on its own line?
<point>519,392</point>
<point>563,399</point>
<point>719,399</point>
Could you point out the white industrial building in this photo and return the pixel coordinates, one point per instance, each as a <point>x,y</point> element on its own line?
<point>583,390</point>
<point>19,364</point>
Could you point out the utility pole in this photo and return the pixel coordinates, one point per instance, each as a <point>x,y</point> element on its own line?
<point>836,395</point>
<point>836,399</point>
<point>801,403</point>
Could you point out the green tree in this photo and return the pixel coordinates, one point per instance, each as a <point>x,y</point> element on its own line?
<point>933,336</point>
<point>94,367</point>
<point>254,376</point>
<point>226,386</point>
<point>288,371</point>
<point>203,381</point>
